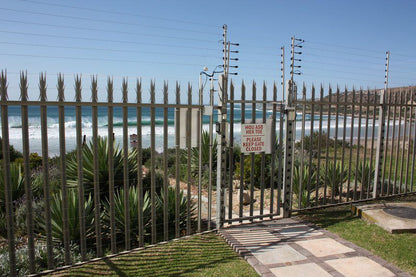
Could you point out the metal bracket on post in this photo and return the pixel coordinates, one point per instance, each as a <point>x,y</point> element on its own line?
<point>290,117</point>
<point>221,147</point>
<point>380,145</point>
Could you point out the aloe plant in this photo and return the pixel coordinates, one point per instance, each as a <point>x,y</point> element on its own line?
<point>17,184</point>
<point>300,181</point>
<point>365,174</point>
<point>103,156</point>
<point>205,158</point>
<point>334,177</point>
<point>73,216</point>
<point>133,211</point>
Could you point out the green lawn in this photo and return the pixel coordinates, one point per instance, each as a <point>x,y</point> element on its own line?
<point>398,249</point>
<point>200,255</point>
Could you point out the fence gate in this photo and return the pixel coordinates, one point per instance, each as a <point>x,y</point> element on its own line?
<point>250,158</point>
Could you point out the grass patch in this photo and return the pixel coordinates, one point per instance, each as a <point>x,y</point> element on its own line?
<point>200,255</point>
<point>398,249</point>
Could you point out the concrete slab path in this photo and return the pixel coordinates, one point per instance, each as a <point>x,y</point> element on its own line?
<point>287,247</point>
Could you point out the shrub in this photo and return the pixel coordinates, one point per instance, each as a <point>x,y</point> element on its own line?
<point>171,210</point>
<point>14,154</point>
<point>22,257</point>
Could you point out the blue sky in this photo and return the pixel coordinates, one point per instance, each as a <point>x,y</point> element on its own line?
<point>345,41</point>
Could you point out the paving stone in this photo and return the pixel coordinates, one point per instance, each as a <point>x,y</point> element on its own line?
<point>300,270</point>
<point>277,254</point>
<point>324,247</point>
<point>360,267</point>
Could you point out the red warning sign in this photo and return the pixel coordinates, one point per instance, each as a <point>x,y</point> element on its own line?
<point>253,138</point>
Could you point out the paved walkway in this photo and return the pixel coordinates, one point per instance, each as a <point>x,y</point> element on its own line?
<point>286,247</point>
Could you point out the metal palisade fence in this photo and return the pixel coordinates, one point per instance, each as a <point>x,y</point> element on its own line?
<point>117,175</point>
<point>133,177</point>
<point>353,146</point>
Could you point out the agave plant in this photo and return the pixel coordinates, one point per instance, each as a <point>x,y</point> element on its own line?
<point>205,158</point>
<point>335,177</point>
<point>300,181</point>
<point>365,174</point>
<point>73,216</point>
<point>103,156</point>
<point>133,211</point>
<point>17,184</point>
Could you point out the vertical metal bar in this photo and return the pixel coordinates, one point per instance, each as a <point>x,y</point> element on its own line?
<point>242,157</point>
<point>280,148</point>
<point>351,145</point>
<point>392,145</point>
<point>231,154</point>
<point>64,188</point>
<point>45,166</point>
<point>252,172</point>
<point>343,141</point>
<point>165,164</point>
<point>335,148</point>
<point>7,177</point>
<point>126,181</point>
<point>211,123</point>
<point>404,140</point>
<point>177,165</point>
<point>414,146</point>
<point>372,144</point>
<point>189,155</point>
<point>97,196</point>
<point>111,166</point>
<point>409,110</point>
<point>139,150</point>
<point>288,154</point>
<point>302,149</point>
<point>367,115</point>
<point>380,159</point>
<point>327,143</point>
<point>387,110</point>
<point>311,145</point>
<point>152,162</point>
<point>399,134</point>
<point>358,147</point>
<point>318,167</point>
<point>273,152</point>
<point>80,173</point>
<point>263,156</point>
<point>27,173</point>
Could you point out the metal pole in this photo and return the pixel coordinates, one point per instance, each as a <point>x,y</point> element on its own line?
<point>292,66</point>
<point>200,154</point>
<point>222,119</point>
<point>288,153</point>
<point>282,69</point>
<point>211,122</point>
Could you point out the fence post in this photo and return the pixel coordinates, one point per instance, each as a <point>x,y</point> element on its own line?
<point>221,145</point>
<point>290,116</point>
<point>380,145</point>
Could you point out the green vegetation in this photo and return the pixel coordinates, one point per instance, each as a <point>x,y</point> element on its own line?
<point>200,255</point>
<point>398,249</point>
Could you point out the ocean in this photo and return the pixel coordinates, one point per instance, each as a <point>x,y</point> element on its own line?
<point>15,126</point>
